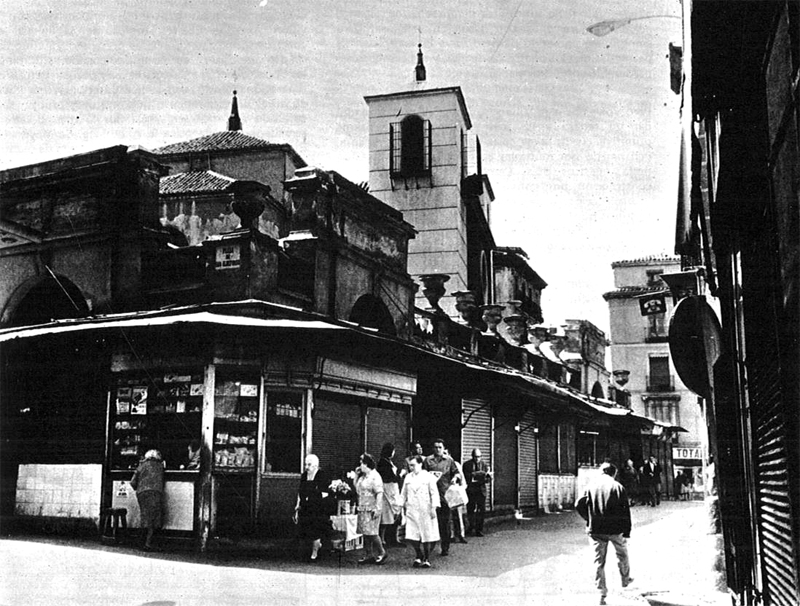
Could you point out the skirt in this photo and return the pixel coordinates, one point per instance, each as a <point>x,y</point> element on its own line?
<point>368,524</point>
<point>391,503</point>
<point>150,508</point>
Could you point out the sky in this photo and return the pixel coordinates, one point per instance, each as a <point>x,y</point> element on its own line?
<point>579,133</point>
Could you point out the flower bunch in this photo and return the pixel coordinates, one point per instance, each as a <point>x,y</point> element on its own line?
<point>339,487</point>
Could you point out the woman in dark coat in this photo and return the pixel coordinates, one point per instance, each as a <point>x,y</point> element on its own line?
<point>311,512</point>
<point>148,482</point>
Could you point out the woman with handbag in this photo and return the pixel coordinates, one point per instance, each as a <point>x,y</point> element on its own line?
<point>458,510</point>
<point>420,497</point>
<point>369,487</point>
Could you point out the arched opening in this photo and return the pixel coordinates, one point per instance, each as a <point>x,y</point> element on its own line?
<point>44,300</point>
<point>371,312</point>
<point>597,390</point>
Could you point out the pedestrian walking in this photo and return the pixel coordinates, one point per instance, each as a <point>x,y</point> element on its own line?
<point>446,473</point>
<point>312,510</point>
<point>606,509</point>
<point>370,506</point>
<point>476,475</point>
<point>629,478</point>
<point>421,502</point>
<point>391,494</point>
<point>652,472</point>
<point>148,482</point>
<point>457,512</point>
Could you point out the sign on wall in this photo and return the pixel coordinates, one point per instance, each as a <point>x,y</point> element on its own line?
<point>687,453</point>
<point>652,305</point>
<point>229,257</point>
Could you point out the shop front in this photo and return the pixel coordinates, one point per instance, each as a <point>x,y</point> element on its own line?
<point>688,460</point>
<point>256,408</point>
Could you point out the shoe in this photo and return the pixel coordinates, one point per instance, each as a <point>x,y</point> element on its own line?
<point>602,600</point>
<point>462,540</point>
<point>366,560</point>
<point>478,533</point>
<point>445,553</point>
<point>426,564</point>
<point>381,559</point>
<point>626,582</point>
<point>417,563</point>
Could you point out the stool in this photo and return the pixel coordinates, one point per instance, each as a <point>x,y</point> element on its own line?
<point>111,520</point>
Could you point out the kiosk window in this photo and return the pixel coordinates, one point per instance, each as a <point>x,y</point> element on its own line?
<point>284,432</point>
<point>161,412</point>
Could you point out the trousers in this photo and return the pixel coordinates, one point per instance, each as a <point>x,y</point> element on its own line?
<point>443,518</point>
<point>600,543</point>
<point>476,509</point>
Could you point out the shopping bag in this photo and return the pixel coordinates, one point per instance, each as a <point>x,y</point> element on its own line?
<point>456,496</point>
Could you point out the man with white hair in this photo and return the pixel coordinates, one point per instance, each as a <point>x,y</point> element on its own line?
<point>606,509</point>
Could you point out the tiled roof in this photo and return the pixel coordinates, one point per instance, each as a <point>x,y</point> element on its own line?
<point>225,140</point>
<point>204,181</point>
<point>660,258</point>
<point>628,292</point>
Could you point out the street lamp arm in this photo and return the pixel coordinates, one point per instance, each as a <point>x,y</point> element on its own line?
<point>604,28</point>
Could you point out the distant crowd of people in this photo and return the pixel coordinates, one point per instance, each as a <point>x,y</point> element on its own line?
<point>419,504</point>
<point>643,484</point>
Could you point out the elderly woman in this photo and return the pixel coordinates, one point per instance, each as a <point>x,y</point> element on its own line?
<point>391,492</point>
<point>148,482</point>
<point>420,499</point>
<point>369,487</point>
<point>311,511</point>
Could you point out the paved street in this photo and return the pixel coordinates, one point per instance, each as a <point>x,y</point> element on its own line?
<point>545,560</point>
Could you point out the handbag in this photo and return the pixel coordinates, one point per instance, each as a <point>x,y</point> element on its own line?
<point>456,496</point>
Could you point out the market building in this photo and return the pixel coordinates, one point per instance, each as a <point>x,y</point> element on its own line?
<point>221,290</point>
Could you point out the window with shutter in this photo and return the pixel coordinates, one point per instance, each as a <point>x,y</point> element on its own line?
<point>410,147</point>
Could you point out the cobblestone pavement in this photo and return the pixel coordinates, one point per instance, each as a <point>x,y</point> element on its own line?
<point>541,561</point>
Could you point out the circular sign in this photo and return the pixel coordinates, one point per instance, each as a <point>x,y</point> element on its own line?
<point>694,343</point>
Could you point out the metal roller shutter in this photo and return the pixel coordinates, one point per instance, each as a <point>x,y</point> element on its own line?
<point>387,425</point>
<point>477,434</point>
<point>769,426</point>
<point>528,491</point>
<point>337,435</point>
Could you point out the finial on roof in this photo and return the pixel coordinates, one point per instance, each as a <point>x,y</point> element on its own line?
<point>420,69</point>
<point>234,122</point>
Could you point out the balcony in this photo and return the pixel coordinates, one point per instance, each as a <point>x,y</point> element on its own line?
<point>660,383</point>
<point>655,334</point>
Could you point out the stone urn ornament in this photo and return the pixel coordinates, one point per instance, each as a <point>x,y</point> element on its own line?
<point>492,315</point>
<point>466,305</point>
<point>516,328</point>
<point>433,289</point>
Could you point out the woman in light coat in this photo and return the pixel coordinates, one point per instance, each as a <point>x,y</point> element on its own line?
<point>369,487</point>
<point>420,500</point>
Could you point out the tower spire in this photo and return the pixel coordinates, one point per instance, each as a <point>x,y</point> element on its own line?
<point>420,69</point>
<point>234,122</point>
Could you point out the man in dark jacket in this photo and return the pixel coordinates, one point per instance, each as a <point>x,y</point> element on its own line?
<point>606,509</point>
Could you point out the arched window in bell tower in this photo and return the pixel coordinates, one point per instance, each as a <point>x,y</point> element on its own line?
<point>410,147</point>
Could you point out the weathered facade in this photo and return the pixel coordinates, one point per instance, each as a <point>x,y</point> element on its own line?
<point>639,345</point>
<point>738,230</point>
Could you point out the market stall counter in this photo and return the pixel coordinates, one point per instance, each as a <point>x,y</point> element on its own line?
<point>179,498</point>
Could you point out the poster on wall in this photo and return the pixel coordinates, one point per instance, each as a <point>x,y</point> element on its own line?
<point>139,401</point>
<point>248,391</point>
